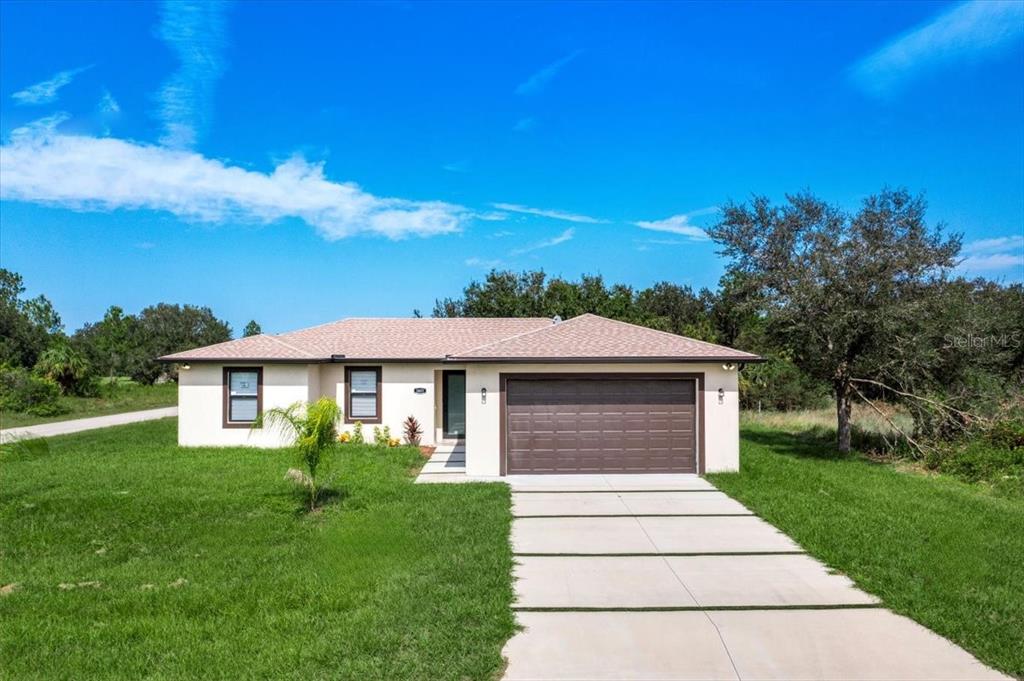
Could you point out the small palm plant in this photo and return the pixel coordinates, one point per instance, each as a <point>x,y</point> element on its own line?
<point>314,429</point>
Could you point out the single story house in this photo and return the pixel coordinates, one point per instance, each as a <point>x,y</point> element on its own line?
<point>536,395</point>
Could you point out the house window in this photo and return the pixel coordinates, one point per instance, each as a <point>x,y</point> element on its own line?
<point>362,394</point>
<point>243,396</point>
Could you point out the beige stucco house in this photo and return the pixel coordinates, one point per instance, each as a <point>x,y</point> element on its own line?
<point>537,395</point>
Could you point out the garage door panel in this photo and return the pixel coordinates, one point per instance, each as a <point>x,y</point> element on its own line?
<point>594,425</point>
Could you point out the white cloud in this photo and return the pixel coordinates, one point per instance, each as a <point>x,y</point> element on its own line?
<point>108,105</point>
<point>547,243</point>
<point>41,165</point>
<point>991,263</point>
<point>491,216</point>
<point>1002,243</point>
<point>46,91</point>
<point>457,167</point>
<point>525,124</point>
<point>967,32</point>
<point>992,255</point>
<point>545,213</point>
<point>679,224</point>
<point>482,262</point>
<point>195,33</point>
<point>539,80</point>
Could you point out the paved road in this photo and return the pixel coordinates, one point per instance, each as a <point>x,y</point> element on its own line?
<point>77,425</point>
<point>665,577</point>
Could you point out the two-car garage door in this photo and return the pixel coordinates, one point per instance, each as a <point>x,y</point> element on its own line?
<point>600,425</point>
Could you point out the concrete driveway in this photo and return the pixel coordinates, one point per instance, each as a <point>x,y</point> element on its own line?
<point>665,577</point>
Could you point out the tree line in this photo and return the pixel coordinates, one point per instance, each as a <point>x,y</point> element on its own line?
<point>851,306</point>
<point>39,361</point>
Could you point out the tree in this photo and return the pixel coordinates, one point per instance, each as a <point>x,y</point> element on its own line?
<point>164,329</point>
<point>313,428</point>
<point>844,292</point>
<point>26,326</point>
<point>113,345</point>
<point>65,366</point>
<point>252,329</point>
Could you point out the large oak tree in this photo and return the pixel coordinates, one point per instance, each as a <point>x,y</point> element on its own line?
<point>846,292</point>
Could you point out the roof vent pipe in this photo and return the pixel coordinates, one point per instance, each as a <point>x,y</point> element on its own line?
<point>556,319</point>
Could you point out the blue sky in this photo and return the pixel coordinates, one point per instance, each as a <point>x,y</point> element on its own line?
<point>305,162</point>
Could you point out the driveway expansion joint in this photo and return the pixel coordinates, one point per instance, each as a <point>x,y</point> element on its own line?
<point>610,491</point>
<point>634,515</point>
<point>702,608</point>
<point>659,554</point>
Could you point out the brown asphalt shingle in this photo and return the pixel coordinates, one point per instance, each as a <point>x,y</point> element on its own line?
<point>471,339</point>
<point>592,337</point>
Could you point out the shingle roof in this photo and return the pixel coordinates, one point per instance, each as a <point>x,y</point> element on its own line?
<point>592,337</point>
<point>382,338</point>
<point>587,337</point>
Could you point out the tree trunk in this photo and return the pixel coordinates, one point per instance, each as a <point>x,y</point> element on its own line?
<point>843,407</point>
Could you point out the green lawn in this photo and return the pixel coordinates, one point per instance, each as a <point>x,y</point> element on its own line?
<point>943,552</point>
<point>195,563</point>
<point>128,396</point>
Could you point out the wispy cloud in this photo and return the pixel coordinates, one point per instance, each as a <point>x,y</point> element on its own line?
<point>546,213</point>
<point>992,255</point>
<point>645,244</point>
<point>195,33</point>
<point>108,111</point>
<point>679,224</point>
<point>546,243</point>
<point>46,91</point>
<point>995,245</point>
<point>967,32</point>
<point>108,105</point>
<point>525,124</point>
<point>539,80</point>
<point>491,216</point>
<point>482,262</point>
<point>457,166</point>
<point>39,164</point>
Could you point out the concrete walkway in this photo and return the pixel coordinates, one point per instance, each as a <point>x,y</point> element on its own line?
<point>78,425</point>
<point>665,577</point>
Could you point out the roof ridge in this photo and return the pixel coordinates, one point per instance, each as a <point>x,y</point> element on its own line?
<point>669,333</point>
<point>289,346</point>
<point>515,335</point>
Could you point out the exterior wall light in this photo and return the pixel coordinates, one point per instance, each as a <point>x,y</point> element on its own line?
<point>721,395</point>
<point>729,367</point>
<point>186,366</point>
<point>483,395</point>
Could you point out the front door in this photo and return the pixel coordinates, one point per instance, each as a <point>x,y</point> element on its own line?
<point>453,403</point>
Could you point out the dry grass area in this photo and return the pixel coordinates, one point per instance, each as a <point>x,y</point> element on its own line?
<point>864,419</point>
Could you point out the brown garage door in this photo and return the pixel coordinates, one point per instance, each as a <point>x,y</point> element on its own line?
<point>600,425</point>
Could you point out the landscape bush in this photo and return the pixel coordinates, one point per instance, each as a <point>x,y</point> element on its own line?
<point>21,391</point>
<point>412,430</point>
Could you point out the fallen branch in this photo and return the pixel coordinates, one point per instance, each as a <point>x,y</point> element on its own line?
<point>914,443</point>
<point>967,416</point>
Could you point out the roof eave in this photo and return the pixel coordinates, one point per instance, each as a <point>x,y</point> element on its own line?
<point>167,359</point>
<point>753,359</point>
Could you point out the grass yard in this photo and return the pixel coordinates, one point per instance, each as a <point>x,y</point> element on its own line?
<point>946,553</point>
<point>189,563</point>
<point>127,396</point>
